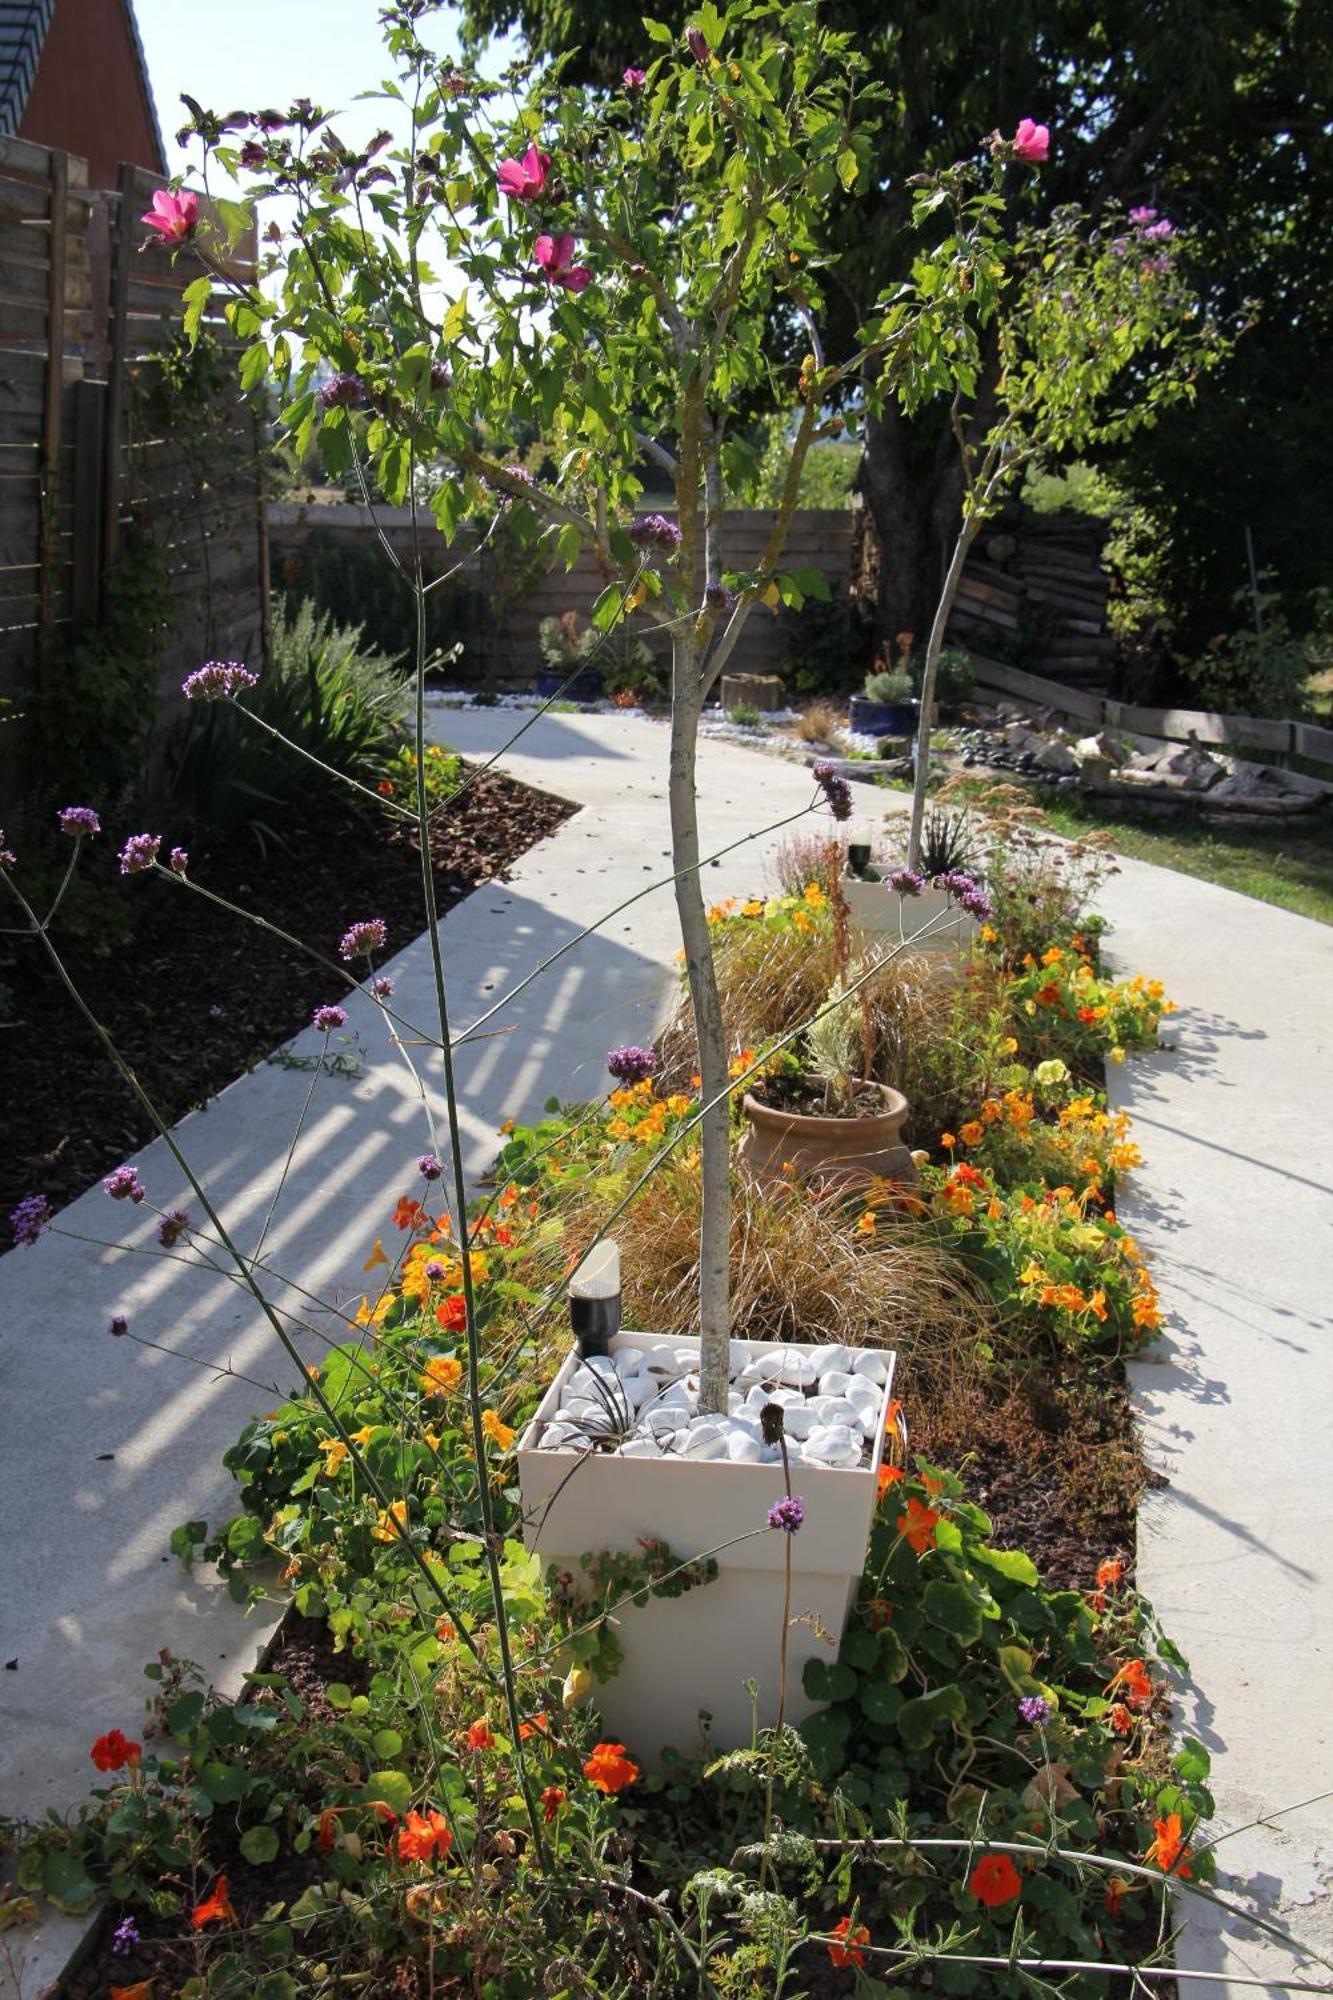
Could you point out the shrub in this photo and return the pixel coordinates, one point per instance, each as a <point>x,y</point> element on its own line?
<point>1248,672</point>
<point>955,680</point>
<point>745,716</point>
<point>356,586</point>
<point>819,723</point>
<point>329,693</point>
<point>885,686</point>
<point>828,646</point>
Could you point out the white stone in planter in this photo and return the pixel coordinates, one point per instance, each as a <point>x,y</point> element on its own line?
<point>875,1367</point>
<point>697,1651</point>
<point>706,1437</point>
<point>834,1382</point>
<point>827,1360</point>
<point>832,1444</point>
<point>832,1410</point>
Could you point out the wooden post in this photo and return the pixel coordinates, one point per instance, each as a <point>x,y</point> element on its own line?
<point>89,477</point>
<point>121,232</point>
<point>48,585</point>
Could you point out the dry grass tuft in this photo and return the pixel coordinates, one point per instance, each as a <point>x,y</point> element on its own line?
<point>820,722</point>
<point>799,1272</point>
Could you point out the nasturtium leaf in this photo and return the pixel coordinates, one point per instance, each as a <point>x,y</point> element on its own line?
<point>259,1845</point>
<point>919,1719</point>
<point>824,1680</point>
<point>184,1712</point>
<point>1010,1563</point>
<point>881,1703</point>
<point>224,1783</point>
<point>65,1881</point>
<point>860,1649</point>
<point>826,1739</point>
<point>1192,1762</point>
<point>954,1609</point>
<point>391,1788</point>
<point>386,1743</point>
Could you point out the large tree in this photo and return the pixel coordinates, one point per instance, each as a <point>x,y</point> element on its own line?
<point>1215,111</point>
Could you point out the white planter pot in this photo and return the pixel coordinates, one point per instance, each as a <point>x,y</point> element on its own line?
<point>877,911</point>
<point>696,1652</point>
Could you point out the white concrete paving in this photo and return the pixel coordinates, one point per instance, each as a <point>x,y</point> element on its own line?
<point>1233,1205</point>
<point>108,1446</point>
<point>1235,1208</point>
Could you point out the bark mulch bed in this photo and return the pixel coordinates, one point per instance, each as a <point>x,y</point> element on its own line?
<point>197,997</point>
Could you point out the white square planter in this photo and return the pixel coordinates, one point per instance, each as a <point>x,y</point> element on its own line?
<point>881,913</point>
<point>696,1652</point>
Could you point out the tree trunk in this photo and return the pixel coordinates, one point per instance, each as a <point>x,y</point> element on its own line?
<point>912,486</point>
<point>714,1130</point>
<point>934,646</point>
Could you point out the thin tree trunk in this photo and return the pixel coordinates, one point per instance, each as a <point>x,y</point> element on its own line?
<point>714,1129</point>
<point>912,489</point>
<point>935,646</point>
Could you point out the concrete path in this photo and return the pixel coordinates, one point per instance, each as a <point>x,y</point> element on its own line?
<point>1235,1208</point>
<point>109,1446</point>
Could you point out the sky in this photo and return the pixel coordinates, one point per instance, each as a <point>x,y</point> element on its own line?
<point>249,54</point>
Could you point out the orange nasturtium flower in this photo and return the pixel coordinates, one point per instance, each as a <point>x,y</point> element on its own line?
<point>215,1909</point>
<point>114,1751</point>
<point>552,1800</point>
<point>451,1313</point>
<point>1109,1572</point>
<point>479,1735</point>
<point>384,1529</point>
<point>142,1989</point>
<point>919,1524</point>
<point>335,1451</point>
<point>540,1725</point>
<point>409,1214</point>
<point>888,1474</point>
<point>848,1950</point>
<point>424,1836</point>
<point>972,1133</point>
<point>1137,1683</point>
<point>1122,1720</point>
<point>995,1880</point>
<point>609,1769</point>
<point>1168,1849</point>
<point>441,1375</point>
<point>499,1432</point>
<point>376,1256</point>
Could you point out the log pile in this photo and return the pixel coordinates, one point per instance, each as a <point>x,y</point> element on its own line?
<point>1034,592</point>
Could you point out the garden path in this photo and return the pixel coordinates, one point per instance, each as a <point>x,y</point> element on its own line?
<point>109,1446</point>
<point>1235,1208</point>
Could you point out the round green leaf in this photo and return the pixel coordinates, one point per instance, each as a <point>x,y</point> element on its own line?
<point>390,1788</point>
<point>953,1609</point>
<point>259,1845</point>
<point>386,1743</point>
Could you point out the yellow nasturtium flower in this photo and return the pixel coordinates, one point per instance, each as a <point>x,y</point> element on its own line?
<point>384,1529</point>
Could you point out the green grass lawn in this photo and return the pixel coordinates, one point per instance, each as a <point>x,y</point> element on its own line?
<point>1289,868</point>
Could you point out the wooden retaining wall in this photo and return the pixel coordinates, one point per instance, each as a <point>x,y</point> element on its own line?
<point>84,306</point>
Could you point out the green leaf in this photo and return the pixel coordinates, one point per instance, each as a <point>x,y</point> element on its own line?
<point>860,1649</point>
<point>1192,1762</point>
<point>656,31</point>
<point>391,1788</point>
<point>254,365</point>
<point>259,1845</point>
<point>919,1719</point>
<point>276,1985</point>
<point>1016,1666</point>
<point>224,1783</point>
<point>881,1703</point>
<point>609,609</point>
<point>65,1881</point>
<point>184,1712</point>
<point>1010,1563</point>
<point>826,1739</point>
<point>827,1681</point>
<point>195,299</point>
<point>954,1609</point>
<point>186,1538</point>
<point>386,1743</point>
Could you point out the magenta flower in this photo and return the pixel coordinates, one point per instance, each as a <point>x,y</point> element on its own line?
<point>1141,217</point>
<point>77,821</point>
<point>429,1167</point>
<point>835,788</point>
<point>326,1019</point>
<point>697,46</point>
<point>139,853</point>
<point>216,680</point>
<point>525,179</point>
<point>173,216</point>
<point>180,860</point>
<point>382,988</point>
<point>634,79</point>
<point>172,1227</point>
<point>906,881</point>
<point>787,1513</point>
<point>371,934</point>
<point>125,1185</point>
<point>341,392</point>
<point>1031,142</point>
<point>631,1065</point>
<point>655,531</point>
<point>555,259</point>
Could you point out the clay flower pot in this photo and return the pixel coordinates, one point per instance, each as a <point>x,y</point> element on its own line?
<point>841,1152</point>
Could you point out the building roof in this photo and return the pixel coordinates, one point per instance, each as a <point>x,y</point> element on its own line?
<point>23,29</point>
<point>24,26</point>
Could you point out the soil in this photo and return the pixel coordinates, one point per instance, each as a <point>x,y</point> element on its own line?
<point>808,1097</point>
<point>196,996</point>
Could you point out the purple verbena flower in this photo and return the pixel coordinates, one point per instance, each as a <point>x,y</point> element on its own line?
<point>435,1271</point>
<point>835,789</point>
<point>787,1513</point>
<point>1034,1709</point>
<point>371,934</point>
<point>341,391</point>
<point>382,988</point>
<point>126,1938</point>
<point>125,1185</point>
<point>118,1326</point>
<point>718,598</point>
<point>327,1018</point>
<point>630,1064</point>
<point>655,531</point>
<point>172,1227</point>
<point>253,156</point>
<point>440,375</point>
<point>905,881</point>
<point>8,858</point>
<point>78,821</point>
<point>218,679</point>
<point>1160,230</point>
<point>180,860</point>
<point>30,1218</point>
<point>429,1167</point>
<point>139,853</point>
<point>967,892</point>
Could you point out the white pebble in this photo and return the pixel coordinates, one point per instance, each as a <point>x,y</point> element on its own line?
<point>640,1447</point>
<point>705,1438</point>
<point>832,1444</point>
<point>798,1419</point>
<point>559,1437</point>
<point>828,1360</point>
<point>833,1410</point>
<point>835,1382</point>
<point>871,1365</point>
<point>743,1449</point>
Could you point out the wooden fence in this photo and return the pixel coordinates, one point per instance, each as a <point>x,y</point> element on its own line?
<point>820,538</point>
<point>87,463</point>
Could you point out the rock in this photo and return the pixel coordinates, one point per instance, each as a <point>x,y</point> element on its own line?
<point>1019,737</point>
<point>832,1444</point>
<point>640,1446</point>
<point>706,1437</point>
<point>832,1410</point>
<point>1056,756</point>
<point>663,1423</point>
<point>835,1382</point>
<point>743,1449</point>
<point>559,1437</point>
<point>871,1365</point>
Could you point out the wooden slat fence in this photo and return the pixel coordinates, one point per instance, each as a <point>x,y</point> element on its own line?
<point>86,310</point>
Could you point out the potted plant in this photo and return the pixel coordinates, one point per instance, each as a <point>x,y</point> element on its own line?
<point>937,906</point>
<point>823,1119</point>
<point>886,706</point>
<point>565,650</point>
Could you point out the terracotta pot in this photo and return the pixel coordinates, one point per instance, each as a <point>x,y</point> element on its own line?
<point>841,1152</point>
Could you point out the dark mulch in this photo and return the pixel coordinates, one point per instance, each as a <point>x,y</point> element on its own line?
<point>808,1097</point>
<point>197,997</point>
